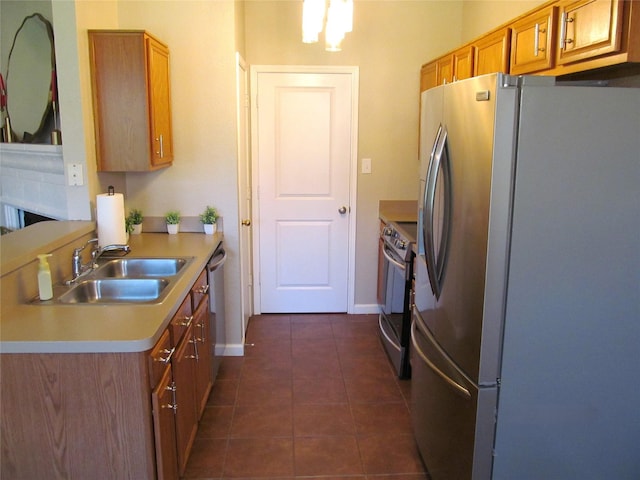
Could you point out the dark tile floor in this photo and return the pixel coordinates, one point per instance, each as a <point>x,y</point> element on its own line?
<point>314,396</point>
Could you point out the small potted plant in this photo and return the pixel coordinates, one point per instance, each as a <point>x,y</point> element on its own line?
<point>173,221</point>
<point>134,219</point>
<point>209,218</point>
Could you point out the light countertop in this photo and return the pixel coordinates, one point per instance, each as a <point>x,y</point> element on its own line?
<point>55,328</point>
<point>398,210</point>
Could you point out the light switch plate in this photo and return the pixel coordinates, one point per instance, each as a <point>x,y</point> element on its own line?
<point>366,165</point>
<point>75,176</point>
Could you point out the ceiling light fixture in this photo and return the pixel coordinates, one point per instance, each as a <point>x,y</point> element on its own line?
<point>339,21</point>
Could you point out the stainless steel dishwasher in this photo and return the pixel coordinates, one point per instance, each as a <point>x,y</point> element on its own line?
<point>215,269</point>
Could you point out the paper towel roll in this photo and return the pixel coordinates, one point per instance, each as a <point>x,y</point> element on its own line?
<point>110,219</point>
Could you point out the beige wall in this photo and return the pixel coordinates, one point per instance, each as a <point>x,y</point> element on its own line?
<point>389,43</point>
<point>480,16</point>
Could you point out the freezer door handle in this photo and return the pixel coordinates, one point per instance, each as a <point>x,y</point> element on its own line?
<point>460,389</point>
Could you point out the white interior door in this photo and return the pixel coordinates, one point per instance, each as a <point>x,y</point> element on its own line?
<point>304,143</point>
<point>244,193</point>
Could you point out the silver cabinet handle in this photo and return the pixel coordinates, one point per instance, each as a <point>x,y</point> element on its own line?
<point>166,359</point>
<point>342,210</point>
<point>563,30</point>
<point>173,405</point>
<point>536,40</point>
<point>187,321</point>
<point>161,144</point>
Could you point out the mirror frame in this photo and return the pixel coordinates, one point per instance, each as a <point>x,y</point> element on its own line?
<point>34,137</point>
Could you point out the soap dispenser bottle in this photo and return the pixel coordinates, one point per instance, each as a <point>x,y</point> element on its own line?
<point>44,277</point>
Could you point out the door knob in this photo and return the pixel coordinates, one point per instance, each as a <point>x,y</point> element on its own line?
<point>246,222</point>
<point>342,210</point>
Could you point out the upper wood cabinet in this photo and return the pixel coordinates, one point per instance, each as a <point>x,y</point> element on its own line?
<point>444,70</point>
<point>131,101</point>
<point>428,76</point>
<point>560,37</point>
<point>491,53</point>
<point>532,42</point>
<point>449,68</point>
<point>463,63</point>
<point>589,28</point>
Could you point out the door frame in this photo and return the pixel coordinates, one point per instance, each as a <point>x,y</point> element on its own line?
<point>354,72</point>
<point>244,191</point>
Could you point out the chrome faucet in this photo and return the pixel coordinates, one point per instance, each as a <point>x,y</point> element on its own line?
<point>78,269</point>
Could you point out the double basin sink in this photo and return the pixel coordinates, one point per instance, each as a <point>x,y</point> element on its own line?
<point>126,280</point>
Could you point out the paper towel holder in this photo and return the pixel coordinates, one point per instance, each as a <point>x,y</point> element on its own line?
<point>110,190</point>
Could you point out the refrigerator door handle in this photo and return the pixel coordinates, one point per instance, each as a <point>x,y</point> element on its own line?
<point>438,165</point>
<point>460,389</point>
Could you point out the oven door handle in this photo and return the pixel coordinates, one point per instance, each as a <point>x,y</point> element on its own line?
<point>398,264</point>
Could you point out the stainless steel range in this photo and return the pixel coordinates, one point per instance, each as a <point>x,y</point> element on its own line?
<point>394,292</point>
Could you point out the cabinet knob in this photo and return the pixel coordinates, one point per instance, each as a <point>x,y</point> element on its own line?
<point>246,223</point>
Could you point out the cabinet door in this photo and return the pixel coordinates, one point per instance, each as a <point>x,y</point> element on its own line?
<point>164,426</point>
<point>588,28</point>
<point>492,53</point>
<point>463,63</point>
<point>531,39</point>
<point>444,71</point>
<point>428,77</point>
<point>184,376</point>
<point>204,364</point>
<point>120,107</point>
<point>160,103</point>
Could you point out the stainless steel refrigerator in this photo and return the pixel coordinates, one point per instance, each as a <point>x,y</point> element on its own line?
<point>526,322</point>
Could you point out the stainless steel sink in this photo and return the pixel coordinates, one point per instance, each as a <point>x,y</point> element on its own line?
<point>140,267</point>
<point>116,290</point>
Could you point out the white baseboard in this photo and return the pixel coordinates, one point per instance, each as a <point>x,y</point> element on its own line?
<point>362,309</point>
<point>230,350</point>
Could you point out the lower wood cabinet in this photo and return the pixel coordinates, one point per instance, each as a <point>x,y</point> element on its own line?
<point>164,407</point>
<point>184,375</point>
<point>189,359</point>
<point>109,415</point>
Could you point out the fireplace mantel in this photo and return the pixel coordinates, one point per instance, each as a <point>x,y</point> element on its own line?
<point>32,178</point>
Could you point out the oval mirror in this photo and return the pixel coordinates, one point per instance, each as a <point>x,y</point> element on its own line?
<point>30,70</point>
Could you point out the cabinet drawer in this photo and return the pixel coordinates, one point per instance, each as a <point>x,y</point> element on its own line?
<point>160,358</point>
<point>181,321</point>
<point>199,290</point>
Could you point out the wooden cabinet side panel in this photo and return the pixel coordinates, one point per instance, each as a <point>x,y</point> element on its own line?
<point>118,72</point>
<point>72,415</point>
